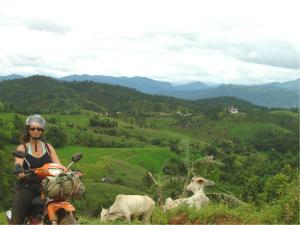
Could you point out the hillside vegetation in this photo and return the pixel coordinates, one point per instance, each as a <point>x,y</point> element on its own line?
<point>126,134</point>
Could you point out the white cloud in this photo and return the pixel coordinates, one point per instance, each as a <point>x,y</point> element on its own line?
<point>178,41</point>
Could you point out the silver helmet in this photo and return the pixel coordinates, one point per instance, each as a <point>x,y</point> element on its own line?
<point>36,118</point>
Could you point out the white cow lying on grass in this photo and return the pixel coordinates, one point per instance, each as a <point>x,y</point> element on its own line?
<point>126,206</point>
<point>197,200</point>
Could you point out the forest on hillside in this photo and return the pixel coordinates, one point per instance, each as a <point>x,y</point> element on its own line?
<point>51,96</point>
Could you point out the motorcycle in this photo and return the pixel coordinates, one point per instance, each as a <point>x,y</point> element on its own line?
<point>44,210</point>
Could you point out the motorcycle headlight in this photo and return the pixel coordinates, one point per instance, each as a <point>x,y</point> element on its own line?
<point>55,171</point>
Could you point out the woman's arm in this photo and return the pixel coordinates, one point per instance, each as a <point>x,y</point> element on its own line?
<point>53,155</point>
<point>20,148</point>
<point>20,161</point>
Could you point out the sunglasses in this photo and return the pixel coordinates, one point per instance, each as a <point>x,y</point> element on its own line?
<point>36,128</point>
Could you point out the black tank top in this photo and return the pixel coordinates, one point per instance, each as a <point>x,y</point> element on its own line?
<point>34,161</point>
<point>34,182</point>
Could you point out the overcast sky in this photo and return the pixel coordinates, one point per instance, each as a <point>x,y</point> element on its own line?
<point>241,42</point>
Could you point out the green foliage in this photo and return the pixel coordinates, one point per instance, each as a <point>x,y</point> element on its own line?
<point>50,96</point>
<point>2,218</point>
<point>6,179</point>
<point>96,122</point>
<point>56,136</point>
<point>174,166</point>
<point>275,187</point>
<point>286,119</point>
<point>52,120</point>
<point>265,140</point>
<point>4,133</point>
<point>289,203</point>
<point>159,217</point>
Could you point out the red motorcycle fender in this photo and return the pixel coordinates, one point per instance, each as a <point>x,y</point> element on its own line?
<point>52,207</point>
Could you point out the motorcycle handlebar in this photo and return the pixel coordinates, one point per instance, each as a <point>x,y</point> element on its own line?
<point>28,174</point>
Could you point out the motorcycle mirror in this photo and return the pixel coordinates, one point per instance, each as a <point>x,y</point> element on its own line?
<point>18,154</point>
<point>77,157</point>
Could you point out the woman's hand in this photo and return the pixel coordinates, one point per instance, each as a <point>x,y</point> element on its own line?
<point>20,175</point>
<point>19,171</point>
<point>79,173</point>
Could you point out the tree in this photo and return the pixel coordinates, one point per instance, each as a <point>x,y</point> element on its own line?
<point>18,122</point>
<point>56,136</point>
<point>275,187</point>
<point>7,179</point>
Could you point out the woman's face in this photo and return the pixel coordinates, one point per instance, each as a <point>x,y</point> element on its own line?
<point>35,130</point>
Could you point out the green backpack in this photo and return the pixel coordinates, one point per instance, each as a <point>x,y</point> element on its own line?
<point>64,185</point>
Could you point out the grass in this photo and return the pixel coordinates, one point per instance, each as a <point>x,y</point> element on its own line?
<point>217,130</point>
<point>159,122</point>
<point>218,214</point>
<point>158,127</point>
<point>293,115</point>
<point>211,214</point>
<point>201,130</point>
<point>147,157</point>
<point>122,165</point>
<point>2,218</point>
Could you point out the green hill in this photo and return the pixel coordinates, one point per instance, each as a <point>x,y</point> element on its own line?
<point>50,96</point>
<point>253,154</point>
<point>268,95</point>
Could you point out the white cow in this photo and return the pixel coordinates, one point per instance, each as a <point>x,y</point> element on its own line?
<point>126,206</point>
<point>197,200</point>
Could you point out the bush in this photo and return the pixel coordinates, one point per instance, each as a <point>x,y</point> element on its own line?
<point>174,166</point>
<point>96,122</point>
<point>159,141</point>
<point>290,204</point>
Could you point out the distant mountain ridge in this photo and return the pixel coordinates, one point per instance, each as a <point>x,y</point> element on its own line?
<point>262,95</point>
<point>282,95</point>
<point>142,84</point>
<point>291,85</point>
<point>11,77</point>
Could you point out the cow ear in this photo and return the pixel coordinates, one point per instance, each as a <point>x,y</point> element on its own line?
<point>200,181</point>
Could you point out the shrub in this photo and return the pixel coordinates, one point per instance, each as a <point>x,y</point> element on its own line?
<point>52,120</point>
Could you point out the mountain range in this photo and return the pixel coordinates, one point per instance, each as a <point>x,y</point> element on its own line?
<point>42,94</point>
<point>282,95</point>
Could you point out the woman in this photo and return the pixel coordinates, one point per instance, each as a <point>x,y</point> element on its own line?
<point>37,154</point>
